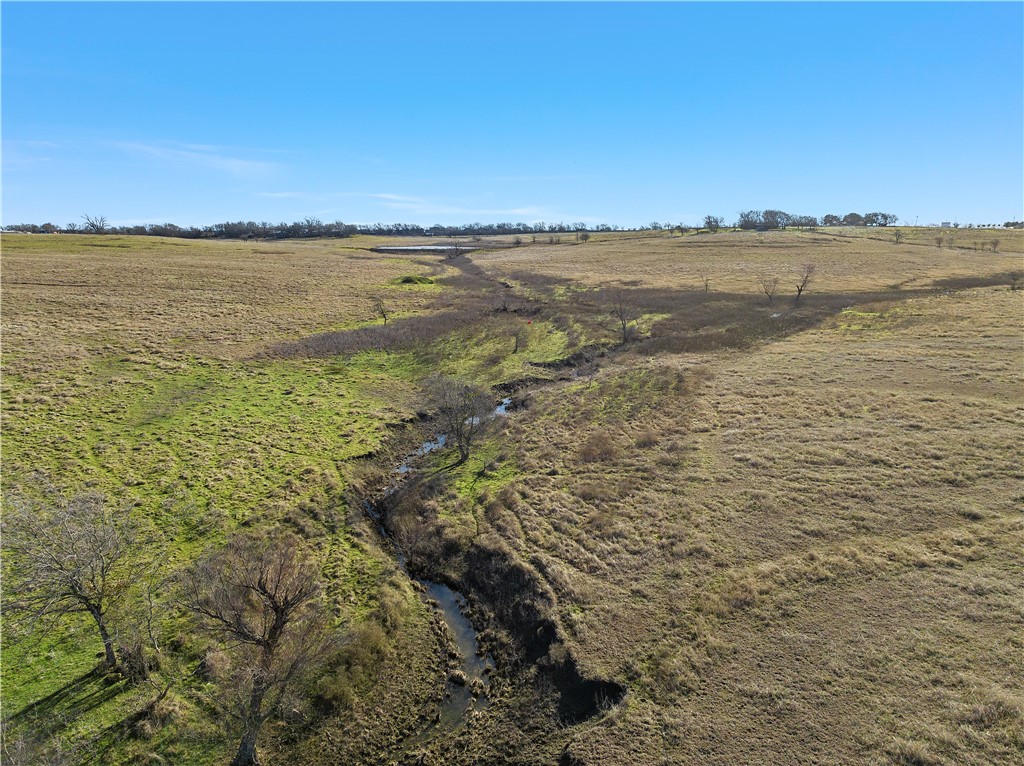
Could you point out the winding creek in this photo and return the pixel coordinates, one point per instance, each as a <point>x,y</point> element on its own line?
<point>466,690</point>
<point>579,697</point>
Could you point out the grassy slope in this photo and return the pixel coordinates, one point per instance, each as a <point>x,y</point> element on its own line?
<point>132,366</point>
<point>782,570</point>
<point>808,554</point>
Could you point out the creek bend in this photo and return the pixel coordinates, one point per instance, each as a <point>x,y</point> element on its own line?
<point>467,687</point>
<point>579,698</point>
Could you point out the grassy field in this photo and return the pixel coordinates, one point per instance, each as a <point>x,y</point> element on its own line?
<point>791,531</point>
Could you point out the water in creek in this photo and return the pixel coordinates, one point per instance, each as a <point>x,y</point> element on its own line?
<point>461,697</point>
<point>468,691</point>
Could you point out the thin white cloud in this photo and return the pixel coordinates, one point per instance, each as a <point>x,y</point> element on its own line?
<point>398,198</point>
<point>29,143</point>
<point>424,206</point>
<point>198,154</point>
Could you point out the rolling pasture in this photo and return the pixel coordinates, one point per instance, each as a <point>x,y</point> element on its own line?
<point>783,531</point>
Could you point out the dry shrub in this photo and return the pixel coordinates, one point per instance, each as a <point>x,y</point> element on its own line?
<point>646,439</point>
<point>168,710</point>
<point>677,673</point>
<point>602,521</point>
<point>598,447</point>
<point>508,497</point>
<point>391,608</point>
<point>595,491</point>
<point>999,707</point>
<point>360,657</point>
<point>914,753</point>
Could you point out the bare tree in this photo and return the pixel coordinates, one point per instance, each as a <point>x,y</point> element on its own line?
<point>454,250</point>
<point>897,236</point>
<point>463,410</point>
<point>624,310</point>
<point>806,275</point>
<point>65,555</point>
<point>938,242</point>
<point>379,308</point>
<point>259,598</point>
<point>95,224</point>
<point>770,285</point>
<point>705,279</point>
<point>712,223</point>
<point>995,245</point>
<point>583,236</point>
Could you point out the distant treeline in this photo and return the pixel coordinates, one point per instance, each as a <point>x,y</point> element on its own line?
<point>315,228</point>
<point>777,219</point>
<point>306,228</point>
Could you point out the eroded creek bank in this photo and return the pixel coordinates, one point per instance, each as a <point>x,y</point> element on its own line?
<point>505,626</point>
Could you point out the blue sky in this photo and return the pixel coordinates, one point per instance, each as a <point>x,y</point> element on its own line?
<point>196,113</point>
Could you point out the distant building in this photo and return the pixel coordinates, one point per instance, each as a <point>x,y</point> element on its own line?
<point>946,224</point>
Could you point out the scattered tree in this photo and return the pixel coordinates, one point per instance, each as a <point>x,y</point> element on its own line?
<point>806,274</point>
<point>95,224</point>
<point>583,236</point>
<point>705,279</point>
<point>66,555</point>
<point>379,308</point>
<point>454,249</point>
<point>995,245</point>
<point>770,285</point>
<point>749,219</point>
<point>259,598</point>
<point>897,235</point>
<point>938,242</point>
<point>624,310</point>
<point>712,223</point>
<point>775,219</point>
<point>463,410</point>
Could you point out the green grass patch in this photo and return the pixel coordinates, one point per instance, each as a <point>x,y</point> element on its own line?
<point>407,280</point>
<point>489,355</point>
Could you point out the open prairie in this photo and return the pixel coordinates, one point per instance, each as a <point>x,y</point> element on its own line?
<point>719,524</point>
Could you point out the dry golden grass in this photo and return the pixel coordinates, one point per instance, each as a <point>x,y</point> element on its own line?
<point>845,259</point>
<point>805,554</point>
<point>69,298</point>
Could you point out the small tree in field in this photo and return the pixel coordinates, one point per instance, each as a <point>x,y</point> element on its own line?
<point>95,224</point>
<point>65,555</point>
<point>806,274</point>
<point>379,308</point>
<point>463,410</point>
<point>455,249</point>
<point>259,598</point>
<point>624,310</point>
<point>705,279</point>
<point>769,286</point>
<point>995,245</point>
<point>712,223</point>
<point>897,236</point>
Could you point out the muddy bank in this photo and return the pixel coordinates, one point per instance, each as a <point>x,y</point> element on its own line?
<point>511,607</point>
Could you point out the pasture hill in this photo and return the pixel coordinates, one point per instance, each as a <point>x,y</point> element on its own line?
<point>713,521</point>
